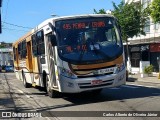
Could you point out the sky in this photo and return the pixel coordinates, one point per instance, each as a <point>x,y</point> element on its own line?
<point>20,16</point>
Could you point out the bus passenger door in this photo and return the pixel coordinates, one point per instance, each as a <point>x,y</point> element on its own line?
<point>29,56</point>
<point>52,63</point>
<point>16,60</point>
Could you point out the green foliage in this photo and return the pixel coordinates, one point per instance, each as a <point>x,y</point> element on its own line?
<point>101,11</point>
<point>131,18</point>
<point>155,10</point>
<point>2,46</point>
<point>148,69</point>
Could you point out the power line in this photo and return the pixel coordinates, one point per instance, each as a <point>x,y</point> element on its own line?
<point>16,25</point>
<point>14,29</point>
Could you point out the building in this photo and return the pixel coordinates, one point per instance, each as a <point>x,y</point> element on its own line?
<point>6,54</point>
<point>145,49</point>
<point>0,17</point>
<point>5,45</point>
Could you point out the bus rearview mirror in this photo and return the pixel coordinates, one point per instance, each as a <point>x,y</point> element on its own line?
<point>52,39</point>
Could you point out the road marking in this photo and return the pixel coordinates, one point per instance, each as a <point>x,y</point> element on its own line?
<point>128,86</point>
<point>144,86</point>
<point>48,118</point>
<point>30,97</point>
<point>24,93</point>
<point>21,91</point>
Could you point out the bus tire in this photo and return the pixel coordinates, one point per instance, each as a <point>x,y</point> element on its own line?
<point>26,85</point>
<point>51,93</point>
<point>44,82</point>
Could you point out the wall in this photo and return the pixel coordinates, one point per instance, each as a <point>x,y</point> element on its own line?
<point>6,56</point>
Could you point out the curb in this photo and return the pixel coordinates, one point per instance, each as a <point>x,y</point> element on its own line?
<point>154,82</point>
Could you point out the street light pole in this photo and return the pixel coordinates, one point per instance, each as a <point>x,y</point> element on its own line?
<point>158,60</point>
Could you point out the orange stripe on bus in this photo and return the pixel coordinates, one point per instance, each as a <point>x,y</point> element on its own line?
<point>119,60</point>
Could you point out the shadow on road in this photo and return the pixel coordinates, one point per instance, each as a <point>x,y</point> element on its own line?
<point>113,94</point>
<point>121,94</point>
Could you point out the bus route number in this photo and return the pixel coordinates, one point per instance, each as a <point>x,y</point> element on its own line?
<point>83,25</point>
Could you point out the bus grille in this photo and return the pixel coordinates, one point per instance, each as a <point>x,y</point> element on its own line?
<point>86,76</point>
<point>89,85</point>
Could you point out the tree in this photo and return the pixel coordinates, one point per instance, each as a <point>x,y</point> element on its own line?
<point>155,11</point>
<point>131,17</point>
<point>101,11</point>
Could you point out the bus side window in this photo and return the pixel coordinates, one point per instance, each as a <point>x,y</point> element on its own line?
<point>24,49</point>
<point>40,42</point>
<point>19,50</point>
<point>34,45</point>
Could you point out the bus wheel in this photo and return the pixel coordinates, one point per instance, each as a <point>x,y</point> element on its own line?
<point>44,88</point>
<point>26,85</point>
<point>51,93</point>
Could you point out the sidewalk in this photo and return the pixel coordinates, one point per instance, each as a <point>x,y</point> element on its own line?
<point>137,77</point>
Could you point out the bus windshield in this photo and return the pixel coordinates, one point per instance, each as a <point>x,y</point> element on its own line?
<point>88,40</point>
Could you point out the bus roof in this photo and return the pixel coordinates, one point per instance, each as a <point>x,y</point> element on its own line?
<point>82,16</point>
<point>70,17</point>
<point>23,37</point>
<point>74,17</point>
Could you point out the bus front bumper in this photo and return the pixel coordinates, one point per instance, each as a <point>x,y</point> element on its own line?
<point>92,83</point>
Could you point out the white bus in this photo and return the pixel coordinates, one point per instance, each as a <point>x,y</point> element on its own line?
<point>72,54</point>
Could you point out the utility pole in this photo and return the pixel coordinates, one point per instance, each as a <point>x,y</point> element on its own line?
<point>0,17</point>
<point>158,61</point>
<point>0,3</point>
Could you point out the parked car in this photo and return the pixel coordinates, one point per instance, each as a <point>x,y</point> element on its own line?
<point>9,68</point>
<point>3,68</point>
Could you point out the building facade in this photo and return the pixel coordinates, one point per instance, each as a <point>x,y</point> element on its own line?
<point>145,48</point>
<point>6,54</point>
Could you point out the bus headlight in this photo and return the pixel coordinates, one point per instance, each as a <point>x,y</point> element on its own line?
<point>120,67</point>
<point>66,73</point>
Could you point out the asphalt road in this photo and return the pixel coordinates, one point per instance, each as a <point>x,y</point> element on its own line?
<point>134,96</point>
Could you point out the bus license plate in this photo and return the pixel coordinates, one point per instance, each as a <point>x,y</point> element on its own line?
<point>102,71</point>
<point>96,82</point>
